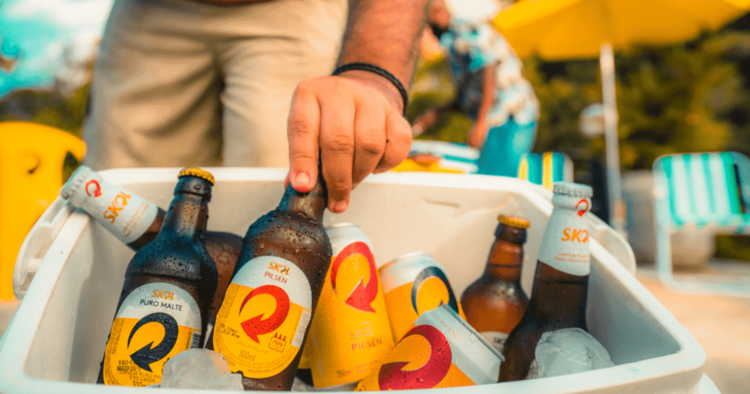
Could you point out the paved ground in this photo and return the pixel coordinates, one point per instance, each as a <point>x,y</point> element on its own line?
<point>720,324</point>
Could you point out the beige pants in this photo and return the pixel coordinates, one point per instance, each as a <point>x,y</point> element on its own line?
<point>184,84</point>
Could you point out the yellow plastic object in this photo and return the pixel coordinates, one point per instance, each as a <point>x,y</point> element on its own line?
<point>31,164</point>
<point>424,163</point>
<point>567,29</point>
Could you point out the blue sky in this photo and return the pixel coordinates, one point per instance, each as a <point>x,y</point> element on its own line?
<point>36,32</point>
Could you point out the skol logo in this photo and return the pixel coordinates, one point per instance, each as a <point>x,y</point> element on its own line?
<point>93,186</point>
<point>582,206</point>
<point>363,295</point>
<point>167,295</point>
<point>423,276</point>
<point>150,354</point>
<point>575,235</point>
<point>280,268</point>
<point>392,376</point>
<point>118,204</point>
<point>257,325</point>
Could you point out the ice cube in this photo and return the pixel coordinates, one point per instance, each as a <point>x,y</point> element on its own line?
<point>300,385</point>
<point>200,369</point>
<point>567,351</point>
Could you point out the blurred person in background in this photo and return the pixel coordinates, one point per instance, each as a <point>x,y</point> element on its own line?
<point>491,90</point>
<point>247,83</point>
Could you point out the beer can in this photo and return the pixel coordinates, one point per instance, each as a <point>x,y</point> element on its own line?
<point>442,350</point>
<point>414,283</point>
<point>350,332</point>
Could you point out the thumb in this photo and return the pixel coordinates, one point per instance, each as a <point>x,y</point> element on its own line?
<point>303,131</point>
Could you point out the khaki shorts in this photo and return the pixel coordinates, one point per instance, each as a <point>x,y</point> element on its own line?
<point>184,84</point>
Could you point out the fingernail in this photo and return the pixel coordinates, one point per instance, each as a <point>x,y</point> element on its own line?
<point>340,206</point>
<point>302,179</point>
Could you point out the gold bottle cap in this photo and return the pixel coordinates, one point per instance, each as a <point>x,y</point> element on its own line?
<point>513,221</point>
<point>197,172</point>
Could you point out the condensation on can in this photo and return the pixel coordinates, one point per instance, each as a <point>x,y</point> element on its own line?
<point>414,283</point>
<point>451,354</point>
<point>350,332</point>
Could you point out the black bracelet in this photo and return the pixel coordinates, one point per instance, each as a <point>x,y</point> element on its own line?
<point>376,70</point>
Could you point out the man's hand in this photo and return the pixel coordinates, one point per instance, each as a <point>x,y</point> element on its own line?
<point>354,120</point>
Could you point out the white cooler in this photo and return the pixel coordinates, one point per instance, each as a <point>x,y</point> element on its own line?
<point>57,337</point>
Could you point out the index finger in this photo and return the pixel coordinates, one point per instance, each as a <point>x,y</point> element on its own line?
<point>303,130</point>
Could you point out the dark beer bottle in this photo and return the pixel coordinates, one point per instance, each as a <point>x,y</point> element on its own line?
<point>265,314</point>
<point>558,298</point>
<point>169,285</point>
<point>136,221</point>
<point>495,303</point>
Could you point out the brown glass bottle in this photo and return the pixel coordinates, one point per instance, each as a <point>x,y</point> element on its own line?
<point>265,315</point>
<point>171,281</point>
<point>495,303</point>
<point>137,221</point>
<point>558,298</point>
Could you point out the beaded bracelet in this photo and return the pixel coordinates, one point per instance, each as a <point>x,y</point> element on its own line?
<point>375,70</point>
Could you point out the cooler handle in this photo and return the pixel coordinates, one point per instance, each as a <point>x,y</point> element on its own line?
<point>37,243</point>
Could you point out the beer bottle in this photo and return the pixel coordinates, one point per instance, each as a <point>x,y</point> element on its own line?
<point>558,298</point>
<point>264,317</point>
<point>136,221</point>
<point>168,289</point>
<point>495,303</point>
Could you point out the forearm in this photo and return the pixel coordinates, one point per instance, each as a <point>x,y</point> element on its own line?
<point>488,92</point>
<point>384,33</point>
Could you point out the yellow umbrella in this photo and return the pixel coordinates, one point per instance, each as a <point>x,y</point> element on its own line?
<point>569,29</point>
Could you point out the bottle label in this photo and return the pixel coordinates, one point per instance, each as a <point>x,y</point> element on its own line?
<point>124,214</point>
<point>495,338</point>
<point>264,316</point>
<point>565,244</point>
<point>154,323</point>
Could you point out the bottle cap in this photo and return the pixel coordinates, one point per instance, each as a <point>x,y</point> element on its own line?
<point>573,189</point>
<point>197,172</point>
<point>70,189</point>
<point>513,221</point>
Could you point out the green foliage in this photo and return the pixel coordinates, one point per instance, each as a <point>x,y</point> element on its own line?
<point>47,107</point>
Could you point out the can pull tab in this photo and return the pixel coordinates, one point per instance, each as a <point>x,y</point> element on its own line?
<point>37,243</point>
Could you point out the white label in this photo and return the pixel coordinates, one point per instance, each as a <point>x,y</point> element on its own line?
<point>122,213</point>
<point>565,245</point>
<point>277,271</point>
<point>165,298</point>
<point>495,338</point>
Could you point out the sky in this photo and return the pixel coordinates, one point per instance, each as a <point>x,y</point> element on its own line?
<point>37,33</point>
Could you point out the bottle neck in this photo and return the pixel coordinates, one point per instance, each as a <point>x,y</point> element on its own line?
<point>310,205</point>
<point>505,261</point>
<point>187,216</point>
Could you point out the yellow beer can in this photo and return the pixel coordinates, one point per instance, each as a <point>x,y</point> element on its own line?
<point>350,332</point>
<point>442,350</point>
<point>414,283</point>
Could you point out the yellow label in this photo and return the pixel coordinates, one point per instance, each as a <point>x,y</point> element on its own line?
<point>154,323</point>
<point>422,359</point>
<point>264,317</point>
<point>402,299</point>
<point>350,333</point>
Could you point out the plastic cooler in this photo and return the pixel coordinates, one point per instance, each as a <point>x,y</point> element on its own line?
<point>56,339</point>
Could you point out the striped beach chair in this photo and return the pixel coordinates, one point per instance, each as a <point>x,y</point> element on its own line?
<point>703,190</point>
<point>546,168</point>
